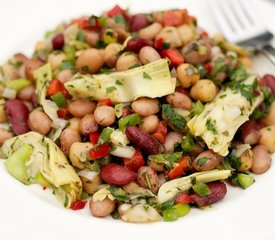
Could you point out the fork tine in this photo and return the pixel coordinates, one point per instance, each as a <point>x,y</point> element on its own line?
<point>241,13</point>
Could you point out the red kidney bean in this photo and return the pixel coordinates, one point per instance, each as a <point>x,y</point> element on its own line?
<point>183,90</point>
<point>218,191</point>
<point>18,115</point>
<point>269,81</point>
<point>58,42</point>
<point>250,132</point>
<point>117,174</point>
<point>138,21</point>
<point>134,45</point>
<point>142,139</point>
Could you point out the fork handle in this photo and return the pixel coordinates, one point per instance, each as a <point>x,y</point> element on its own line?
<point>269,52</point>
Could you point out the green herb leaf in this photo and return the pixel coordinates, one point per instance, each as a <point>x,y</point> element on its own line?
<point>197,109</point>
<point>119,193</point>
<point>120,82</point>
<point>202,161</point>
<point>201,189</point>
<point>238,74</point>
<point>110,89</point>
<point>173,117</point>
<point>211,125</point>
<point>130,120</point>
<point>66,64</point>
<point>147,76</point>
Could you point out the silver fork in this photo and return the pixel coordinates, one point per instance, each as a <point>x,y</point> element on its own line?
<point>241,24</point>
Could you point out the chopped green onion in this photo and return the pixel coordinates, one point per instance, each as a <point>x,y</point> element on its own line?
<point>245,180</point>
<point>18,84</point>
<point>201,189</point>
<point>130,120</point>
<point>176,211</point>
<point>69,52</point>
<point>59,99</point>
<point>109,36</point>
<point>182,209</point>
<point>187,143</point>
<point>66,64</point>
<point>105,135</point>
<point>197,109</point>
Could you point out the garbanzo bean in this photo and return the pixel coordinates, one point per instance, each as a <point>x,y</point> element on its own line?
<point>55,59</point>
<point>204,90</point>
<point>187,75</point>
<point>80,107</point>
<point>105,115</point>
<point>126,61</point>
<point>3,117</point>
<point>150,123</point>
<point>261,159</point>
<point>187,33</point>
<point>151,31</point>
<point>246,160</point>
<point>111,54</point>
<point>26,93</point>
<point>267,138</point>
<point>179,100</point>
<point>148,54</point>
<point>269,120</point>
<point>88,124</point>
<point>91,38</point>
<point>39,122</point>
<point>5,135</point>
<point>78,153</point>
<point>91,185</point>
<point>102,208</point>
<point>145,106</point>
<point>67,138</point>
<point>89,61</point>
<point>170,35</point>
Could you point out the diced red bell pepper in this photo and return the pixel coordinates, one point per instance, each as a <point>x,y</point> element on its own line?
<point>116,10</point>
<point>94,137</point>
<point>81,22</point>
<point>204,34</point>
<point>56,86</point>
<point>106,101</point>
<point>64,113</point>
<point>173,55</point>
<point>160,133</point>
<point>134,163</point>
<point>158,44</point>
<point>78,205</point>
<point>100,151</point>
<point>208,67</point>
<point>180,168</point>
<point>183,198</point>
<point>175,18</point>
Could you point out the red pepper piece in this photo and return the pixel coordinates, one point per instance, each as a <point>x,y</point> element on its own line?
<point>208,67</point>
<point>116,10</point>
<point>160,133</point>
<point>183,198</point>
<point>100,151</point>
<point>173,55</point>
<point>106,101</point>
<point>78,205</point>
<point>134,163</point>
<point>64,113</point>
<point>180,168</point>
<point>94,137</point>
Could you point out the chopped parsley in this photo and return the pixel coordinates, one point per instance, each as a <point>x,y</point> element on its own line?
<point>119,193</point>
<point>147,76</point>
<point>202,161</point>
<point>211,126</point>
<point>178,121</point>
<point>110,89</point>
<point>197,109</point>
<point>238,74</point>
<point>120,82</point>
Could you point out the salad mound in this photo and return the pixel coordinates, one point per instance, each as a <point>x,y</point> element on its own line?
<point>144,116</point>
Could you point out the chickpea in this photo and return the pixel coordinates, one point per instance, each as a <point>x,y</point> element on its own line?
<point>80,107</point>
<point>246,160</point>
<point>147,178</point>
<point>74,124</point>
<point>148,54</point>
<point>126,61</point>
<point>111,54</point>
<point>170,35</point>
<point>26,93</point>
<point>204,90</point>
<point>145,106</point>
<point>172,138</point>
<point>67,138</point>
<point>56,58</point>
<point>4,135</point>
<point>102,208</point>
<point>270,118</point>
<point>187,75</point>
<point>88,124</point>
<point>186,33</point>
<point>91,185</point>
<point>151,31</point>
<point>30,66</point>
<point>206,161</point>
<point>105,115</point>
<point>65,75</point>
<point>9,71</point>
<point>39,122</point>
<point>267,138</point>
<point>78,153</point>
<point>156,166</point>
<point>91,38</point>
<point>150,123</point>
<point>261,159</point>
<point>89,61</point>
<point>179,100</point>
<point>3,117</point>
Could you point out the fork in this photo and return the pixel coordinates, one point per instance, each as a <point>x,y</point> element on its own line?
<point>241,24</point>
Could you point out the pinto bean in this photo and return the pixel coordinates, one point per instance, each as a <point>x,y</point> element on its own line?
<point>30,66</point>
<point>172,138</point>
<point>145,106</point>
<point>102,208</point>
<point>65,75</point>
<point>74,124</point>
<point>105,115</point>
<point>26,93</point>
<point>179,100</point>
<point>261,159</point>
<point>150,123</point>
<point>170,35</point>
<point>111,54</point>
<point>55,59</point>
<point>206,161</point>
<point>156,166</point>
<point>187,33</point>
<point>142,139</point>
<point>270,118</point>
<point>67,138</point>
<point>148,54</point>
<point>39,122</point>
<point>91,38</point>
<point>250,132</point>
<point>88,124</point>
<point>218,192</point>
<point>267,138</point>
<point>81,107</point>
<point>148,178</point>
<point>91,185</point>
<point>18,115</point>
<point>151,31</point>
<point>4,135</point>
<point>126,61</point>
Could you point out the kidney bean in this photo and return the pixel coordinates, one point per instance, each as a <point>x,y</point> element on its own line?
<point>138,21</point>
<point>250,132</point>
<point>142,139</point>
<point>58,41</point>
<point>218,191</point>
<point>117,174</point>
<point>269,81</point>
<point>134,45</point>
<point>18,115</point>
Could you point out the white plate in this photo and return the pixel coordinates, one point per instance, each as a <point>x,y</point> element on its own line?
<point>30,213</point>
